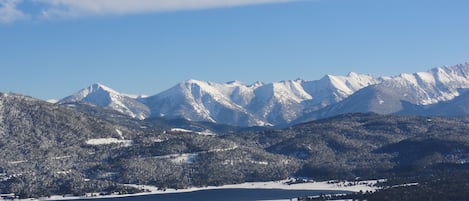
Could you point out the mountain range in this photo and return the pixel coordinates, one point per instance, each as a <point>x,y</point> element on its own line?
<point>439,91</point>
<point>95,140</point>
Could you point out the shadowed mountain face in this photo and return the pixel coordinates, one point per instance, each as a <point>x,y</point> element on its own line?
<point>456,107</point>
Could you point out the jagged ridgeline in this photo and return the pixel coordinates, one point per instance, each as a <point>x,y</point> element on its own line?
<point>439,91</point>
<point>48,149</point>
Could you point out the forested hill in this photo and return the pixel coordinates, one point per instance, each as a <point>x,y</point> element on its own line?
<point>51,149</point>
<point>367,145</point>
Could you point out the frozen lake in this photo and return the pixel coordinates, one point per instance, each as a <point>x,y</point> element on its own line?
<point>225,195</point>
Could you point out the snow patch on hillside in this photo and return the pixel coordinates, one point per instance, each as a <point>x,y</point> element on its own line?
<point>106,141</point>
<point>120,134</point>
<point>205,132</point>
<point>181,130</point>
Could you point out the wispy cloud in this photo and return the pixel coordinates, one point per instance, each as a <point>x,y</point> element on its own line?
<point>9,11</point>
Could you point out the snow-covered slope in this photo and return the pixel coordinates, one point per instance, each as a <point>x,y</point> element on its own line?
<point>100,95</point>
<point>232,103</point>
<point>258,104</point>
<point>279,102</point>
<point>430,87</point>
<point>206,101</point>
<point>459,106</point>
<point>285,102</point>
<point>404,93</point>
<point>332,89</point>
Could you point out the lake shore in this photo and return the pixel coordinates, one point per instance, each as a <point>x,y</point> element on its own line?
<point>281,185</point>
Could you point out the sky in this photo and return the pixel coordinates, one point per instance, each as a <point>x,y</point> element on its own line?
<point>50,49</point>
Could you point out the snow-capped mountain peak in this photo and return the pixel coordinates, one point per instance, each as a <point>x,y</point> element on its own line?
<point>350,83</point>
<point>256,84</point>
<point>101,95</point>
<point>235,83</point>
<point>96,88</point>
<point>291,90</point>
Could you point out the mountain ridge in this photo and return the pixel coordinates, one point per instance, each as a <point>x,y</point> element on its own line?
<point>285,102</point>
<point>405,94</point>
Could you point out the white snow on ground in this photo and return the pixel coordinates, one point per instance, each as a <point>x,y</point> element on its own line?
<point>120,134</point>
<point>64,172</point>
<point>60,157</point>
<point>179,158</point>
<point>17,162</point>
<point>205,132</point>
<point>405,185</point>
<point>190,157</point>
<point>157,140</point>
<point>104,141</point>
<point>108,174</point>
<point>184,158</point>
<point>341,186</point>
<point>181,130</point>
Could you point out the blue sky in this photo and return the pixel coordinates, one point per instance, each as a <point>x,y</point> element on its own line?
<point>52,48</point>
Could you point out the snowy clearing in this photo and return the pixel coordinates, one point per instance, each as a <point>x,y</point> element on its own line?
<point>17,162</point>
<point>181,130</point>
<point>105,141</point>
<point>205,132</point>
<point>179,158</point>
<point>61,157</point>
<point>190,157</point>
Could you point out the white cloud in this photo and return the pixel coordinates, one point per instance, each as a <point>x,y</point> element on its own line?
<point>9,13</point>
<point>76,8</point>
<point>10,10</point>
